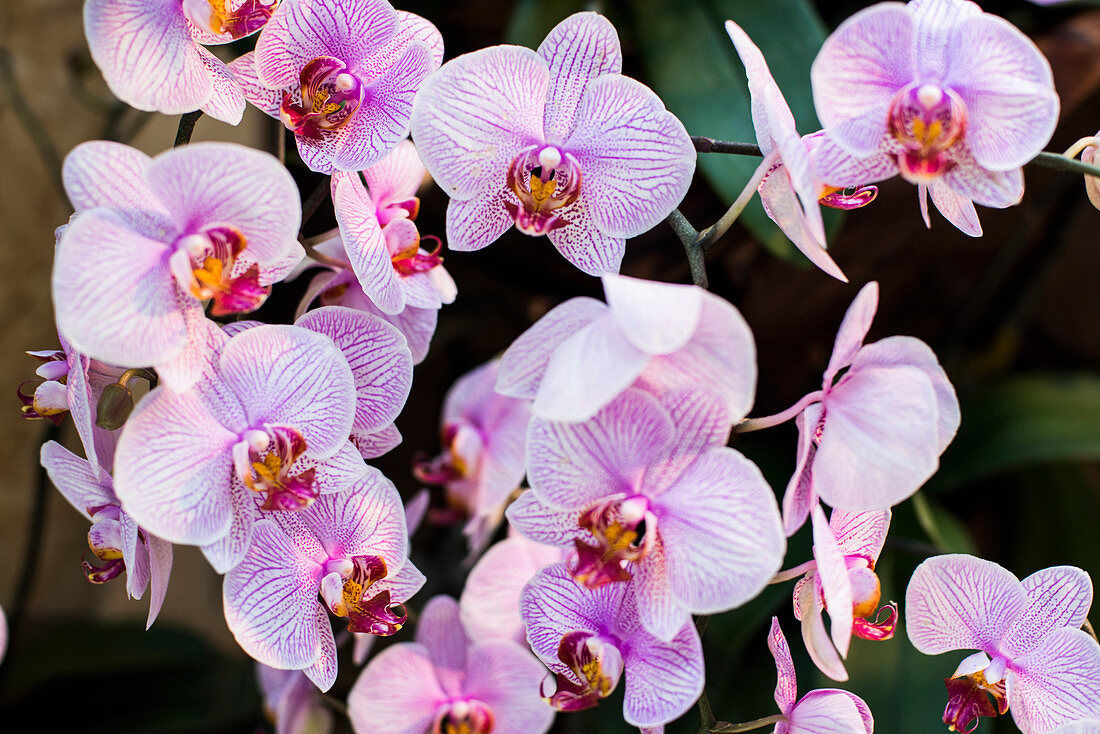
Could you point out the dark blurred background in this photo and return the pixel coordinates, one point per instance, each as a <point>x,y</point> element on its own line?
<point>1012,315</point>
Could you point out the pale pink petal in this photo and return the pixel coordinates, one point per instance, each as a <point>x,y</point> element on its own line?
<point>75,479</point>
<point>366,519</point>
<point>397,693</point>
<point>853,330</point>
<point>398,176</point>
<point>264,98</point>
<point>786,684</point>
<point>860,533</point>
<point>271,602</point>
<point>799,497</point>
<point>524,363</point>
<point>959,602</point>
<point>660,609</point>
<point>582,243</point>
<point>571,465</point>
<point>298,32</point>
<point>781,204</point>
<point>379,443</point>
<point>506,677</point>
<point>636,157</point>
<point>226,552</point>
<point>440,632</point>
<point>834,166</point>
<point>827,711</point>
<point>160,568</point>
<point>490,598</point>
<point>1057,597</point>
<point>114,296</point>
<point>474,115</point>
<point>1056,683</point>
<point>108,174</point>
<point>832,572</point>
<point>1007,86</point>
<point>146,54</point>
<point>226,102</point>
<point>816,639</point>
<point>862,64</point>
<point>173,467</point>
<point>324,670</point>
<point>955,208</point>
<point>657,318</point>
<point>880,441</point>
<point>203,339</point>
<point>663,680</point>
<point>700,420</point>
<point>544,524</point>
<point>478,222</point>
<point>996,189</point>
<point>721,530</point>
<point>134,556</point>
<point>578,49</point>
<point>411,28</point>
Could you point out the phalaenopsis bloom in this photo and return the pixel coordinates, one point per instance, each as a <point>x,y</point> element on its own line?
<point>841,580</point>
<point>347,553</point>
<point>376,261</point>
<point>1034,658</point>
<point>557,142</point>
<point>154,240</point>
<point>822,711</point>
<point>875,431</point>
<point>646,492</point>
<point>71,383</point>
<point>483,458</point>
<point>341,75</point>
<point>790,191</point>
<point>269,423</point>
<point>116,541</point>
<point>953,99</point>
<point>655,336</point>
<point>590,638</point>
<point>151,54</point>
<point>446,683</point>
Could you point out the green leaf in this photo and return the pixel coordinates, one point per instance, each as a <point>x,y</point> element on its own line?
<point>695,70</point>
<point>1023,421</point>
<point>943,529</point>
<point>533,19</point>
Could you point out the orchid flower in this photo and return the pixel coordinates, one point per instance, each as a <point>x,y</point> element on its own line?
<point>341,75</point>
<point>483,460</point>
<point>490,599</point>
<point>269,422</point>
<point>647,492</point>
<point>953,99</point>
<point>375,262</point>
<point>152,57</point>
<point>1033,657</point>
<point>70,382</point>
<point>1092,183</point>
<point>822,711</point>
<point>656,336</point>
<point>1084,726</point>
<point>153,239</point>
<point>841,580</point>
<point>557,142</point>
<point>590,638</point>
<point>872,435</point>
<point>347,553</point>
<point>791,193</point>
<point>292,703</point>
<point>445,683</point>
<point>116,540</point>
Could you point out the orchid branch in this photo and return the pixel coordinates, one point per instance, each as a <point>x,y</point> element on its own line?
<point>1059,162</point>
<point>748,725</point>
<point>710,145</point>
<point>186,128</point>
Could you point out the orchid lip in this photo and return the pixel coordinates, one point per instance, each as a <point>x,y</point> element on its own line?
<point>926,121</point>
<point>206,265</point>
<point>212,15</point>
<point>596,664</point>
<point>546,181</point>
<point>624,531</point>
<point>328,98</point>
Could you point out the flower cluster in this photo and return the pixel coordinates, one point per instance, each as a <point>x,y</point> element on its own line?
<point>601,434</point>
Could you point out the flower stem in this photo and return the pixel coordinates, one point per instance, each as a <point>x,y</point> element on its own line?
<point>755,424</point>
<point>709,235</point>
<point>1086,142</point>
<point>1059,162</point>
<point>689,236</point>
<point>724,728</point>
<point>186,128</point>
<point>793,573</point>
<point>710,145</point>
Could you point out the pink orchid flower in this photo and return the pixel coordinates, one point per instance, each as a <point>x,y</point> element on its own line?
<point>490,599</point>
<point>841,580</point>
<point>375,262</point>
<point>292,703</point>
<point>1034,659</point>
<point>953,99</point>
<point>557,142</point>
<point>483,458</point>
<point>1084,726</point>
<point>152,57</point>
<point>269,422</point>
<point>116,540</point>
<point>655,336</point>
<point>341,75</point>
<point>821,711</point>
<point>70,382</point>
<point>872,435</point>
<point>790,191</point>
<point>590,638</point>
<point>647,492</point>
<point>154,239</point>
<point>446,682</point>
<point>347,553</point>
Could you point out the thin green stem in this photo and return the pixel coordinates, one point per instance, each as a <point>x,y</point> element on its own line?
<point>186,128</point>
<point>711,234</point>
<point>725,728</point>
<point>1059,162</point>
<point>689,236</point>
